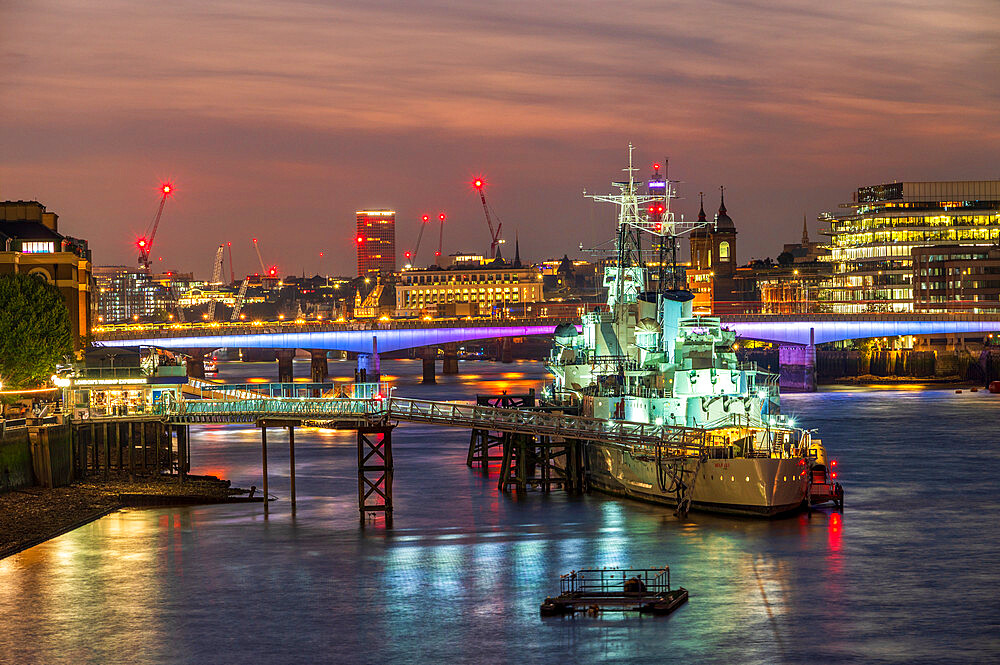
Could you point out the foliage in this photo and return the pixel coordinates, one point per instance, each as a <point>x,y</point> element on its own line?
<point>34,331</point>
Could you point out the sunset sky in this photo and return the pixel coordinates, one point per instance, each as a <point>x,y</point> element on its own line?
<point>278,120</point>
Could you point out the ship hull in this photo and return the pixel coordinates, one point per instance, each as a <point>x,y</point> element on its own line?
<point>760,487</point>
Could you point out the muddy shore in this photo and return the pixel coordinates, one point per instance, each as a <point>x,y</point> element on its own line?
<point>33,515</point>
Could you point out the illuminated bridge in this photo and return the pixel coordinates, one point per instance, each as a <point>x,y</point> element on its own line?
<point>367,339</point>
<point>796,335</point>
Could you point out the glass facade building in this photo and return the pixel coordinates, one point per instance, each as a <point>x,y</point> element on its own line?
<point>125,293</point>
<point>871,247</point>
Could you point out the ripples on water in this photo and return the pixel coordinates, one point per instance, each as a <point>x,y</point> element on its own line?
<point>907,574</point>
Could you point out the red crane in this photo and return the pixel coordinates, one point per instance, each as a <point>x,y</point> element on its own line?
<point>437,254</point>
<point>144,243</point>
<point>411,257</point>
<point>232,273</point>
<point>495,241</point>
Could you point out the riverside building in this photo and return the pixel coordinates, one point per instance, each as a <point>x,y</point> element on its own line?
<point>30,243</point>
<point>872,247</point>
<point>469,291</point>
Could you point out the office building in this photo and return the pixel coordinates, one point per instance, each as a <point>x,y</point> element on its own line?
<point>466,291</point>
<point>376,241</point>
<point>956,279</point>
<point>128,294</point>
<point>872,246</point>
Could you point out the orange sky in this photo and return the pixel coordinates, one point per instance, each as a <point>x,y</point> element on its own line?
<point>278,120</point>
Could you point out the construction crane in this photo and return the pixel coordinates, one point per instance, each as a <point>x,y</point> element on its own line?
<point>240,297</point>
<point>412,257</point>
<point>232,273</point>
<point>495,240</point>
<point>216,279</point>
<point>268,272</point>
<point>437,254</point>
<point>145,243</point>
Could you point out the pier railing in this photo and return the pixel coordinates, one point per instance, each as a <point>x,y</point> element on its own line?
<point>639,438</point>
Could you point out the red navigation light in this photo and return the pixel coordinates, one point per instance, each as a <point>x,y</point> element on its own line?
<point>441,217</point>
<point>658,226</point>
<point>360,239</point>
<point>833,462</point>
<point>437,253</point>
<point>660,209</point>
<point>166,188</point>
<point>321,255</point>
<point>834,475</point>
<point>425,218</point>
<point>273,271</point>
<point>652,209</point>
<point>478,183</point>
<point>656,167</point>
<point>406,254</point>
<point>141,242</point>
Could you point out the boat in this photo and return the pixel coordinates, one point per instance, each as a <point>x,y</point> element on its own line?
<point>645,357</point>
<point>211,365</point>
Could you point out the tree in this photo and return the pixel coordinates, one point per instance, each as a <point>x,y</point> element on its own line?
<point>34,331</point>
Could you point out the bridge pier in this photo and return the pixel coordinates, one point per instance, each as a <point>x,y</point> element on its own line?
<point>797,368</point>
<point>195,367</point>
<point>506,350</point>
<point>286,372</point>
<point>449,364</point>
<point>428,355</point>
<point>368,368</point>
<point>319,368</point>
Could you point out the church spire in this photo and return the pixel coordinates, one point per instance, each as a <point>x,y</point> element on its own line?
<point>517,251</point>
<point>805,231</point>
<point>722,200</point>
<point>701,213</point>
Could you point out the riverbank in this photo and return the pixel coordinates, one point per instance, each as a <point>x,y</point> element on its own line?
<point>930,381</point>
<point>33,515</point>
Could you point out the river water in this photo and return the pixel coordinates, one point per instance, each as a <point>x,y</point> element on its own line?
<point>908,573</point>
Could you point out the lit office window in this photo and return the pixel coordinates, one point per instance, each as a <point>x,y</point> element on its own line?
<point>35,247</point>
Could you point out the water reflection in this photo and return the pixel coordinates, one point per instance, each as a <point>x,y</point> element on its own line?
<point>461,576</point>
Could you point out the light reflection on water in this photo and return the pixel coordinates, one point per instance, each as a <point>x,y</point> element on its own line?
<point>461,576</point>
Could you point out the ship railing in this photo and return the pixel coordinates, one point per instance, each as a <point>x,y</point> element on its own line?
<point>317,408</point>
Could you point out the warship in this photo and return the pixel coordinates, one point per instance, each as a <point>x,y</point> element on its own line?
<point>645,357</point>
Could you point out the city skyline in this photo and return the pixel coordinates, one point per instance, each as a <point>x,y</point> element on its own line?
<point>280,120</point>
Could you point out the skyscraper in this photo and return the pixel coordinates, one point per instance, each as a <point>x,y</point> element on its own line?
<point>376,241</point>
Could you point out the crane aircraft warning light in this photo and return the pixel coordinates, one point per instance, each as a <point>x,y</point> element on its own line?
<point>441,217</point>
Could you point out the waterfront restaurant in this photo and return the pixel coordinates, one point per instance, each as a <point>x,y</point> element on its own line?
<point>120,384</point>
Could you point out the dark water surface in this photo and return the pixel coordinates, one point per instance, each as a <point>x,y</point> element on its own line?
<point>908,574</point>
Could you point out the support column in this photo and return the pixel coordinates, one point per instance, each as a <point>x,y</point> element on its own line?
<point>798,367</point>
<point>263,460</point>
<point>291,459</point>
<point>195,367</point>
<point>375,471</point>
<point>319,368</point>
<point>183,453</point>
<point>506,350</point>
<point>285,372</point>
<point>368,368</point>
<point>450,361</point>
<point>428,356</point>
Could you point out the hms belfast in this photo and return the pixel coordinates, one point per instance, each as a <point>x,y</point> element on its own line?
<point>724,445</point>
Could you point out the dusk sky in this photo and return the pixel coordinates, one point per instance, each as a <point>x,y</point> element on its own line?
<point>278,120</point>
